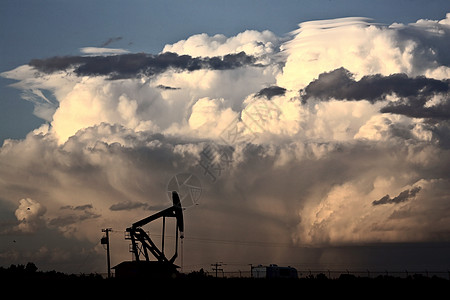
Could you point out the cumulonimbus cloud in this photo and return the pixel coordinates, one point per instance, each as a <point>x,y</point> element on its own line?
<point>285,135</point>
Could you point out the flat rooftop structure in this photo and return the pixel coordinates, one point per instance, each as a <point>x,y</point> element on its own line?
<point>145,269</point>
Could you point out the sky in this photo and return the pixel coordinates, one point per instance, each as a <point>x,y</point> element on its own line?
<point>304,133</point>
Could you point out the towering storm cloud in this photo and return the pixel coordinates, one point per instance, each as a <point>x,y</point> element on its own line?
<point>292,139</point>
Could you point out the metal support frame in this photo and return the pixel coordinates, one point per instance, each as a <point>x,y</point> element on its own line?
<point>141,243</point>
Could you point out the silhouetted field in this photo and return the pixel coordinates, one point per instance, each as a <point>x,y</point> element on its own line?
<point>27,280</point>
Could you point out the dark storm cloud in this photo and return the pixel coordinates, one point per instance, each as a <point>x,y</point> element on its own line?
<point>402,197</point>
<point>415,107</point>
<point>127,205</point>
<point>73,218</point>
<point>57,63</point>
<point>79,207</point>
<point>271,91</point>
<point>442,131</point>
<point>138,64</point>
<point>130,205</point>
<point>165,87</point>
<point>413,92</point>
<point>340,84</point>
<point>77,214</point>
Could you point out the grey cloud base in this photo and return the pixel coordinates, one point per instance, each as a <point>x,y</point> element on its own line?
<point>139,64</point>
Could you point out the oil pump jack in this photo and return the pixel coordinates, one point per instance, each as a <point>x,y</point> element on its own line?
<point>142,246</point>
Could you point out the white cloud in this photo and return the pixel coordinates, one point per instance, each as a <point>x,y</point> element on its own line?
<point>250,41</point>
<point>29,214</point>
<point>94,51</point>
<point>96,100</point>
<point>209,118</point>
<point>363,48</point>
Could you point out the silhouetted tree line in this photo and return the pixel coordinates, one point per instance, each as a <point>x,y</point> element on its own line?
<point>350,277</point>
<point>30,272</point>
<point>30,277</point>
<point>29,280</point>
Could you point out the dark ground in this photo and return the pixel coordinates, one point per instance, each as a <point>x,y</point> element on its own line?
<point>24,281</point>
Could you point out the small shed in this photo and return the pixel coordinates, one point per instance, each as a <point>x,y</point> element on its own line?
<point>274,271</point>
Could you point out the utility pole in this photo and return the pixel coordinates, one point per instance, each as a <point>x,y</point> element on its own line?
<point>216,267</point>
<point>105,240</point>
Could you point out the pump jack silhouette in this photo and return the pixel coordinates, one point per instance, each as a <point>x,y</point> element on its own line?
<point>143,247</point>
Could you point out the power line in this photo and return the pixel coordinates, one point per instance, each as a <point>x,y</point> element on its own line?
<point>216,267</point>
<point>235,242</point>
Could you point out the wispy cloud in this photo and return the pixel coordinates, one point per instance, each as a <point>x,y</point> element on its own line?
<point>111,40</point>
<point>101,51</point>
